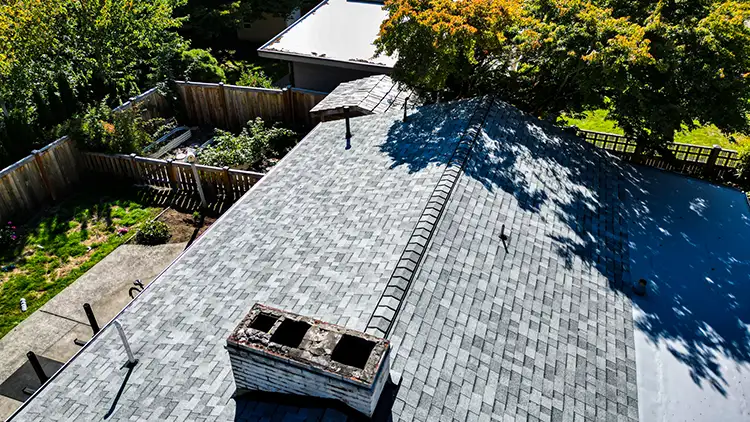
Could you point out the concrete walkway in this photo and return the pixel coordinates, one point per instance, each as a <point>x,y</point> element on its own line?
<point>50,331</point>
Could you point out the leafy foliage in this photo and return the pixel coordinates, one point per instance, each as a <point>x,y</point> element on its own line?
<point>101,130</point>
<point>743,168</point>
<point>201,66</point>
<point>252,148</point>
<point>209,20</point>
<point>153,233</point>
<point>656,66</point>
<point>255,79</point>
<point>56,56</point>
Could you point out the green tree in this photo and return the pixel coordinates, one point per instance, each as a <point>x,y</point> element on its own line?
<point>657,66</point>
<point>200,66</point>
<point>56,56</point>
<point>208,21</point>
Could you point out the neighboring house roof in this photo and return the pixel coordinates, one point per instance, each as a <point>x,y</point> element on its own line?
<point>402,234</point>
<point>376,94</point>
<point>335,33</point>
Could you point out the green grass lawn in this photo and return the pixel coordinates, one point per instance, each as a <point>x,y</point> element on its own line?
<point>63,243</point>
<point>707,135</point>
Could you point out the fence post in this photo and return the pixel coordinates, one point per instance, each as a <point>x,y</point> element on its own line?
<point>228,183</point>
<point>43,173</point>
<point>134,165</point>
<point>711,162</point>
<point>289,113</point>
<point>191,159</point>
<point>171,174</point>
<point>638,153</point>
<point>225,105</point>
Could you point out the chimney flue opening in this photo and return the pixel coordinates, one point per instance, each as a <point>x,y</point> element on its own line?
<point>290,333</point>
<point>263,322</point>
<point>352,351</point>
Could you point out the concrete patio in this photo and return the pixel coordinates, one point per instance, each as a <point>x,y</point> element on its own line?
<point>50,331</point>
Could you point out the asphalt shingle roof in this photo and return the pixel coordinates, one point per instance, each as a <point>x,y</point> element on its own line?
<point>372,95</point>
<point>540,332</point>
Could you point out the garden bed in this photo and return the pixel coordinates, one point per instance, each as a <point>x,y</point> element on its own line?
<point>184,226</point>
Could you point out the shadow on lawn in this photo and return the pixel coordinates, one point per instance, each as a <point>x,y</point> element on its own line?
<point>585,199</point>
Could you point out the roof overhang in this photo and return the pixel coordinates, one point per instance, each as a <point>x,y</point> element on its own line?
<point>335,33</point>
<point>324,61</point>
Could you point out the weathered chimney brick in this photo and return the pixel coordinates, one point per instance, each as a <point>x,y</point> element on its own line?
<point>280,352</point>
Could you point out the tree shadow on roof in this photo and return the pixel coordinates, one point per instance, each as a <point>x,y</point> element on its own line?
<point>584,198</point>
<point>689,239</point>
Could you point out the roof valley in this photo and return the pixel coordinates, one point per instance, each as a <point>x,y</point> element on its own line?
<point>383,318</point>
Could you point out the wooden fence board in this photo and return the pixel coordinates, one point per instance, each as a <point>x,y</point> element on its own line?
<point>39,178</point>
<point>216,182</point>
<point>229,107</point>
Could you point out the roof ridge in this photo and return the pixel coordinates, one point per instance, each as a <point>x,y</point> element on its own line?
<point>393,85</point>
<point>389,304</point>
<point>368,92</point>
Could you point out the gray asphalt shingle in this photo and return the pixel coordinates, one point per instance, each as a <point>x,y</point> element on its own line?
<point>375,94</point>
<point>540,332</point>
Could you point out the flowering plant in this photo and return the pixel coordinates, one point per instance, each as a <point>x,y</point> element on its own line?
<point>8,236</point>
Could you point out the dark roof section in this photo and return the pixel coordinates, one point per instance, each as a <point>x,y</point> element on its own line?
<point>372,95</point>
<point>539,330</point>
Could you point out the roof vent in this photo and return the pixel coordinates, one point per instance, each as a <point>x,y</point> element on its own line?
<point>280,352</point>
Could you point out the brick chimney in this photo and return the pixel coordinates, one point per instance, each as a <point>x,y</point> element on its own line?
<point>280,352</point>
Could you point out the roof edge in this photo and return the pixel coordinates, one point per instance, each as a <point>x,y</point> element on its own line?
<point>324,61</point>
<point>156,280</point>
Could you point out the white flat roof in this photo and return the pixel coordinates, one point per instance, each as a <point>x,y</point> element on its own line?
<point>690,240</point>
<point>339,32</point>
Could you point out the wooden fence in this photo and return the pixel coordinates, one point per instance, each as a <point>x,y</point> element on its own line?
<point>43,176</point>
<point>152,104</point>
<point>230,107</point>
<point>216,182</point>
<point>689,159</point>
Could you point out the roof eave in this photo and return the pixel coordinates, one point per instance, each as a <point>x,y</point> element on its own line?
<point>324,61</point>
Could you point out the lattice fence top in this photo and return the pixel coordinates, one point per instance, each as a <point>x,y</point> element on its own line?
<point>687,153</point>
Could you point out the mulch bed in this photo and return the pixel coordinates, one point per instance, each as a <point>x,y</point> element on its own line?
<point>183,226</point>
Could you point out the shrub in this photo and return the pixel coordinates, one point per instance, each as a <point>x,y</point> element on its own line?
<point>201,66</point>
<point>255,79</point>
<point>153,233</point>
<point>101,130</point>
<point>253,147</point>
<point>8,237</point>
<point>743,167</point>
<point>237,151</point>
<point>159,126</point>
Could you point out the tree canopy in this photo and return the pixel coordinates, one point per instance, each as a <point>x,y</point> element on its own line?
<point>657,66</point>
<point>57,55</point>
<point>209,20</point>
